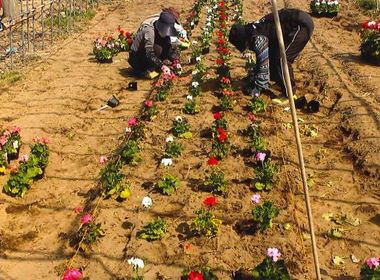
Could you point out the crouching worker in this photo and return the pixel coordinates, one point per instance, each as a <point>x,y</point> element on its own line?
<point>152,48</point>
<point>260,37</point>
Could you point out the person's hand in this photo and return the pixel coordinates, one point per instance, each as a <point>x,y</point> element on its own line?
<point>167,62</point>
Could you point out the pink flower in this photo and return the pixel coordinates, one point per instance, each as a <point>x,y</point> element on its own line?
<point>165,70</point>
<point>132,122</point>
<point>72,274</point>
<point>16,130</point>
<point>251,117</point>
<point>78,209</point>
<point>3,140</point>
<point>373,263</point>
<point>273,253</point>
<point>149,103</point>
<point>24,158</point>
<point>86,218</point>
<point>159,83</point>
<point>260,156</point>
<point>44,140</point>
<point>103,159</point>
<point>255,198</point>
<point>13,168</point>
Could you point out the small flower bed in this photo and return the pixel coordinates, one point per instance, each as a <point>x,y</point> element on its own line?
<point>104,49</point>
<point>370,46</point>
<point>31,167</point>
<point>327,8</point>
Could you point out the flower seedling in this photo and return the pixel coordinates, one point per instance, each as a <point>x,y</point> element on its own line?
<point>89,232</point>
<point>271,267</point>
<point>150,111</point>
<point>153,230</point>
<point>181,128</point>
<point>191,108</point>
<point>371,269</point>
<point>204,273</point>
<point>257,105</point>
<point>168,184</point>
<point>205,223</point>
<point>265,173</point>
<point>216,181</point>
<point>263,215</point>
<point>130,153</point>
<point>173,149</point>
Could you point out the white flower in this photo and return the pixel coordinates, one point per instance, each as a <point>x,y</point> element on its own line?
<point>169,139</point>
<point>208,24</point>
<point>195,84</point>
<point>198,59</point>
<point>167,161</point>
<point>178,119</point>
<point>147,202</point>
<point>192,23</point>
<point>194,42</point>
<point>209,10</point>
<point>189,97</point>
<point>15,144</point>
<point>194,72</point>
<point>128,130</point>
<point>136,263</point>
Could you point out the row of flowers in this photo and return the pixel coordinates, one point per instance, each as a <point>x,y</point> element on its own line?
<point>30,168</point>
<point>106,47</point>
<point>325,7</point>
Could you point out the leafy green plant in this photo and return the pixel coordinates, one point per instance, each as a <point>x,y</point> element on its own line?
<point>257,105</point>
<point>270,270</point>
<point>181,128</point>
<point>154,230</point>
<point>150,113</point>
<point>161,95</point>
<point>168,184</point>
<point>90,233</point>
<point>138,131</point>
<point>226,103</point>
<point>220,144</point>
<point>367,4</point>
<point>130,153</point>
<point>216,181</point>
<point>191,108</point>
<point>265,173</point>
<point>258,143</point>
<point>263,215</point>
<point>111,179</point>
<point>173,149</point>
<point>205,223</point>
<point>13,145</point>
<point>3,161</point>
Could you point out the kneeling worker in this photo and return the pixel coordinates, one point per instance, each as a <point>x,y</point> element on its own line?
<point>297,28</point>
<point>152,48</point>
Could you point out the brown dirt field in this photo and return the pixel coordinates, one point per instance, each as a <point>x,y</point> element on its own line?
<point>58,98</point>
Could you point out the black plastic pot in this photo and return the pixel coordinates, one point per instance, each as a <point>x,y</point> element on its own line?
<point>105,60</point>
<point>206,50</point>
<point>132,85</point>
<point>313,106</point>
<point>113,102</point>
<point>300,102</point>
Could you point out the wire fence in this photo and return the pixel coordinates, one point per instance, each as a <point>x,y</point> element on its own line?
<point>36,24</point>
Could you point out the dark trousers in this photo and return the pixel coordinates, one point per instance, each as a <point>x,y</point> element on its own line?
<point>295,42</point>
<point>140,62</point>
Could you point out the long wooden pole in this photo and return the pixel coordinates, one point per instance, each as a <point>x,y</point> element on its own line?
<point>297,135</point>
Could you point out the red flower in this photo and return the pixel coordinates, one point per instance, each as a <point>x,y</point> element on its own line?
<point>251,117</point>
<point>221,4</point>
<point>210,201</point>
<point>221,41</point>
<point>217,115</point>
<point>219,61</point>
<point>130,41</point>
<point>222,16</point>
<point>225,80</point>
<point>219,33</point>
<point>212,161</point>
<point>227,92</point>
<point>195,275</point>
<point>222,135</point>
